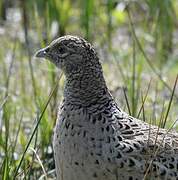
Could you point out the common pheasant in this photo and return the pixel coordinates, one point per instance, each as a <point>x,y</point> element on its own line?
<point>94,139</point>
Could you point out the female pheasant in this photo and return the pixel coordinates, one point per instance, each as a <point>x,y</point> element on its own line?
<point>93,138</point>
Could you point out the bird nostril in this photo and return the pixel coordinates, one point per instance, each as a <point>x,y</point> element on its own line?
<point>42,52</point>
<point>47,50</point>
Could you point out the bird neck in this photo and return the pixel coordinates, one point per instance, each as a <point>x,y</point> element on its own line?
<point>85,88</point>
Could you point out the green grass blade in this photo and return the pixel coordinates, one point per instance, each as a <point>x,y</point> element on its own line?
<point>36,126</point>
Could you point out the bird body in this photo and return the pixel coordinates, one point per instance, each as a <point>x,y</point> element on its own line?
<point>93,138</point>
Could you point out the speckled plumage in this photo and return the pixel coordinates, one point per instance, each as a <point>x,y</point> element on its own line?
<point>93,138</point>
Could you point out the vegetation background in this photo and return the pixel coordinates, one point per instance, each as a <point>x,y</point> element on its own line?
<point>137,42</point>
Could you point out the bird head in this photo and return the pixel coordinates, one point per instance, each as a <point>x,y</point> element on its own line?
<point>69,53</point>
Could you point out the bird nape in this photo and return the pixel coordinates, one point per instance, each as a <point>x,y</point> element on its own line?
<point>94,139</point>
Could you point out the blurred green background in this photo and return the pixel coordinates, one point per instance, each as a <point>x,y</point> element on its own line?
<point>137,42</point>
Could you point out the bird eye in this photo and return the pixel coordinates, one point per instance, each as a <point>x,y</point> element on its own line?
<point>61,50</point>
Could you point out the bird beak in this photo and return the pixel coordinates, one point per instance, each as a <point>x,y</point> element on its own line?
<point>41,53</point>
